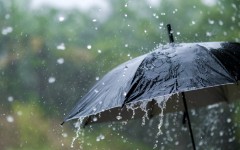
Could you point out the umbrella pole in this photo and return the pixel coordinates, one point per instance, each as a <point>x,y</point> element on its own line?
<point>189,122</point>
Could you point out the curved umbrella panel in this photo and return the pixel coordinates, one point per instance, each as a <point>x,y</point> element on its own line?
<point>180,68</point>
<point>229,56</point>
<point>109,92</point>
<point>187,67</point>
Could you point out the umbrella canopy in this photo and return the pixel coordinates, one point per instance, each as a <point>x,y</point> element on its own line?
<point>205,72</point>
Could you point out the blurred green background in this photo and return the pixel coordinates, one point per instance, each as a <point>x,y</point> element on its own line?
<point>52,52</point>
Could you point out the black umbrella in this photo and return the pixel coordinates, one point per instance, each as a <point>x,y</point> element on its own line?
<point>203,73</point>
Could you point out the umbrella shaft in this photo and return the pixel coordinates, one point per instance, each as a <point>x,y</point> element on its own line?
<point>188,118</point>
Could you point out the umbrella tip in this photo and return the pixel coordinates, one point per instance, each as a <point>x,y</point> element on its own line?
<point>62,123</point>
<point>170,33</point>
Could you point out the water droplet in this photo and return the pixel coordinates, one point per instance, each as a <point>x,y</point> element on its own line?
<point>19,113</point>
<point>99,51</point>
<point>118,117</point>
<point>126,5</point>
<point>126,45</point>
<point>208,34</point>
<point>97,78</point>
<point>7,16</point>
<point>193,22</point>
<point>229,120</point>
<point>178,33</point>
<point>163,14</point>
<point>10,119</point>
<point>210,21</point>
<point>220,22</point>
<point>94,109</point>
<point>51,80</point>
<point>225,33</point>
<point>100,137</point>
<point>125,93</point>
<point>61,19</point>
<point>10,98</point>
<point>60,60</point>
<point>96,91</point>
<point>125,15</point>
<point>94,20</point>
<point>145,31</point>
<point>89,47</point>
<point>221,133</point>
<point>61,46</point>
<point>64,135</point>
<point>95,119</point>
<point>7,30</point>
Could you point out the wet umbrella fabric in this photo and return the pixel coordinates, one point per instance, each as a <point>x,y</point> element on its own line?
<point>198,69</point>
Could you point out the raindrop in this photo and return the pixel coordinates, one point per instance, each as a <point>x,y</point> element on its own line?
<point>233,18</point>
<point>7,30</point>
<point>95,119</point>
<point>208,34</point>
<point>61,19</point>
<point>100,137</point>
<point>210,21</point>
<point>19,113</point>
<point>145,31</point>
<point>96,91</point>
<point>163,14</point>
<point>7,16</point>
<point>10,119</point>
<point>94,109</point>
<point>10,98</point>
<point>231,139</point>
<point>125,93</point>
<point>99,51</point>
<point>126,45</point>
<point>128,55</point>
<point>64,135</point>
<point>97,78</point>
<point>118,117</point>
<point>89,47</point>
<point>60,60</point>
<point>234,6</point>
<point>61,46</point>
<point>51,80</point>
<point>221,133</point>
<point>178,33</point>
<point>94,20</point>
<point>193,22</point>
<point>126,5</point>
<point>220,22</point>
<point>229,120</point>
<point>125,15</point>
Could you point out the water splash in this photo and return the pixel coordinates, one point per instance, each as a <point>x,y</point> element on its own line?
<point>133,107</point>
<point>161,101</point>
<point>144,108</point>
<point>79,132</point>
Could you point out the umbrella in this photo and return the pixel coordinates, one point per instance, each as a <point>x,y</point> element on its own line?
<point>199,74</point>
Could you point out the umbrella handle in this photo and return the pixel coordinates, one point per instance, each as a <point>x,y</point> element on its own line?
<point>170,33</point>
<point>189,122</point>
